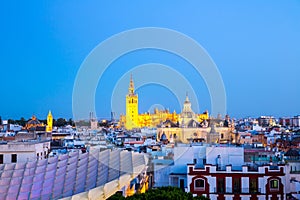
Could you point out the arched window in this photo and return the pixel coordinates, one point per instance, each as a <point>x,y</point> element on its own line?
<point>199,184</point>
<point>274,184</point>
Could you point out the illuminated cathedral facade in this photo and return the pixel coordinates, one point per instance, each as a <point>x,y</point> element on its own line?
<point>35,125</point>
<point>133,120</point>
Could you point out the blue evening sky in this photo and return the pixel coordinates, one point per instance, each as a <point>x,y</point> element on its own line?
<point>254,43</point>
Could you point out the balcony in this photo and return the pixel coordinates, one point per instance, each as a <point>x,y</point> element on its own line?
<point>274,167</point>
<point>295,172</point>
<point>221,168</point>
<point>237,190</point>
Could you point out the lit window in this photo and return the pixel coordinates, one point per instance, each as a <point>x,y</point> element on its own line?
<point>274,184</point>
<point>199,184</point>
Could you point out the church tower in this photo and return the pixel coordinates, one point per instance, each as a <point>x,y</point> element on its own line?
<point>131,107</point>
<point>49,122</point>
<point>187,113</point>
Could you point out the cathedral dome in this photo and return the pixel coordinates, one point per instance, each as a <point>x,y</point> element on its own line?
<point>33,121</point>
<point>163,137</point>
<point>33,124</point>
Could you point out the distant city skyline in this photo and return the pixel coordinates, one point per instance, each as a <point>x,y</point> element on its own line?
<point>254,44</point>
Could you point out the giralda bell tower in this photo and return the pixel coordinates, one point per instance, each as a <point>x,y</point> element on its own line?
<point>131,107</point>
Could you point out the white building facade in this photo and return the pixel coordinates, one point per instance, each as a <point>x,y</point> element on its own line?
<point>226,176</point>
<point>19,152</point>
<point>265,182</point>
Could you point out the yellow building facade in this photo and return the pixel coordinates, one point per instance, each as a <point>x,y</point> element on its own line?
<point>134,120</point>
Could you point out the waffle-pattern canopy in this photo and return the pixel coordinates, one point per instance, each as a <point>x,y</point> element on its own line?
<point>91,175</point>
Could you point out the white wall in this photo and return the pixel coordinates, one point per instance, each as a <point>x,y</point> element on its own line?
<point>26,151</point>
<point>245,182</point>
<point>297,188</point>
<point>21,157</point>
<point>228,182</point>
<point>229,155</point>
<point>183,155</point>
<point>161,175</point>
<point>292,186</point>
<point>213,183</point>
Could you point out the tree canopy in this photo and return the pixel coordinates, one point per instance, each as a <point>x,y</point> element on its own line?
<point>163,193</point>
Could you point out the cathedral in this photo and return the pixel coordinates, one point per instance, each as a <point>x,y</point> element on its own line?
<point>134,120</point>
<point>35,125</point>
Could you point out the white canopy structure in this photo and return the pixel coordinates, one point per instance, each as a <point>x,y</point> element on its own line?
<point>91,175</point>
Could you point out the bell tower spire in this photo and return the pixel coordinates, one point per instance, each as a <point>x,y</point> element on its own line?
<point>187,97</point>
<point>49,122</point>
<point>131,86</point>
<point>132,117</point>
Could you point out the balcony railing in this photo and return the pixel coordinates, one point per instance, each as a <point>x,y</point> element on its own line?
<point>221,168</point>
<point>229,190</point>
<point>295,172</point>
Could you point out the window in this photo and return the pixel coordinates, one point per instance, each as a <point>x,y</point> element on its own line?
<point>174,181</point>
<point>1,158</point>
<point>181,183</point>
<point>13,158</point>
<point>253,185</point>
<point>221,185</point>
<point>237,185</point>
<point>274,184</point>
<point>199,184</point>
